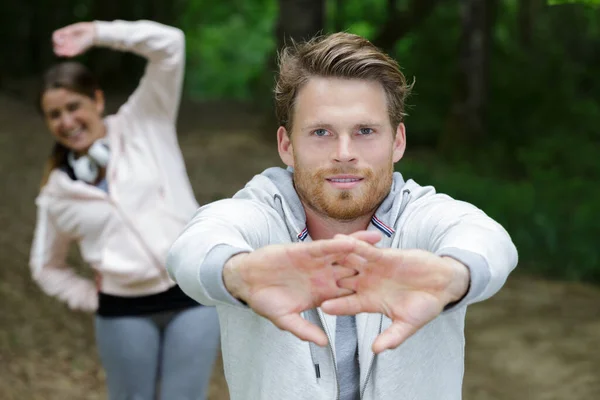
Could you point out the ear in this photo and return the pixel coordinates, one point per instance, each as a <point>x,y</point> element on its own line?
<point>284,146</point>
<point>99,100</point>
<point>399,143</point>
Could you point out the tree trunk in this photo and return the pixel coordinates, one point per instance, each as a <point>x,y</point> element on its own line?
<point>466,123</point>
<point>526,15</point>
<point>299,20</point>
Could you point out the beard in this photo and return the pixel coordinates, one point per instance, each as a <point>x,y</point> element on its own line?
<point>340,204</point>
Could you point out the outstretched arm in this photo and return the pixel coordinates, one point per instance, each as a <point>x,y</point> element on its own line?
<point>225,256</point>
<point>457,255</point>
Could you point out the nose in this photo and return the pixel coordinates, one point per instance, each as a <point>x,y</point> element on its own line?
<point>344,151</point>
<point>67,121</point>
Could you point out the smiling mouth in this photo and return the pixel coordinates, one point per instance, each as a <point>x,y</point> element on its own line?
<point>344,180</point>
<point>73,133</point>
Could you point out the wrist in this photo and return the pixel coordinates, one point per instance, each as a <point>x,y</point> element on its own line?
<point>460,282</point>
<point>232,277</point>
<point>94,31</point>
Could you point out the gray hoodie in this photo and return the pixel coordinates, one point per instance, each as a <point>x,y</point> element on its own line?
<point>263,362</point>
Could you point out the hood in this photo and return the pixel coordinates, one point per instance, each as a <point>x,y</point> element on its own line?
<point>275,188</point>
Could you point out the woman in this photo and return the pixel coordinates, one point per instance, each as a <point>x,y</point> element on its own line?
<point>118,187</point>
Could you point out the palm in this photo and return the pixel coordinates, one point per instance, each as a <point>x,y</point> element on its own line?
<point>74,39</point>
<point>293,278</point>
<point>406,286</point>
<point>285,280</point>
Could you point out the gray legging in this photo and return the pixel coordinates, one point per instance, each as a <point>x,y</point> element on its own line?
<point>175,348</point>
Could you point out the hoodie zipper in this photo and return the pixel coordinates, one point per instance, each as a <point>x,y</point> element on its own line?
<point>335,370</point>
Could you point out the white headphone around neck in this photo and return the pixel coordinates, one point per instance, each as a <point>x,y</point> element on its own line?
<point>87,166</point>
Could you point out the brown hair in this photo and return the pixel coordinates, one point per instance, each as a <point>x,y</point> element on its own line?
<point>72,76</point>
<point>338,55</point>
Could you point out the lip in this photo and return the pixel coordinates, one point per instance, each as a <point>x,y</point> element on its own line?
<point>74,137</point>
<point>344,181</point>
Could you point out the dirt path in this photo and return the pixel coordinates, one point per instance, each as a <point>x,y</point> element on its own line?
<point>535,340</point>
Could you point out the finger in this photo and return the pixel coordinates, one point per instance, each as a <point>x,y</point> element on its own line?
<point>73,53</point>
<point>352,261</point>
<point>329,288</point>
<point>349,283</point>
<point>367,252</point>
<point>393,336</point>
<point>301,328</point>
<point>57,36</point>
<point>347,305</point>
<point>371,237</point>
<point>64,52</point>
<point>322,248</point>
<point>340,273</point>
<point>60,53</point>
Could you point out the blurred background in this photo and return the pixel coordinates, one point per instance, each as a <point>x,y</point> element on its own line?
<point>504,114</point>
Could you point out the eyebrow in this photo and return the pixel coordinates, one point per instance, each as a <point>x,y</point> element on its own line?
<point>322,125</point>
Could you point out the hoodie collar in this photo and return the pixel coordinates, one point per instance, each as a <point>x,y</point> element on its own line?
<point>276,187</point>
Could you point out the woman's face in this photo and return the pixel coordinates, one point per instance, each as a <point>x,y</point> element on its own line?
<point>75,120</point>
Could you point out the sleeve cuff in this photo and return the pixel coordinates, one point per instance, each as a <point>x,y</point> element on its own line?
<point>103,30</point>
<point>479,271</point>
<point>113,34</point>
<point>211,275</point>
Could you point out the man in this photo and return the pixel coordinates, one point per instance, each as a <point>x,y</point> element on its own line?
<point>335,278</point>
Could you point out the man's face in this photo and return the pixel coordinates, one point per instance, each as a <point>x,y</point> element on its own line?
<point>342,147</point>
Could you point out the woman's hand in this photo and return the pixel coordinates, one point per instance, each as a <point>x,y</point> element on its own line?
<point>73,40</point>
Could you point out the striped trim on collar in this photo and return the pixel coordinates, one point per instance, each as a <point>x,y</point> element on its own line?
<point>302,235</point>
<point>374,220</point>
<point>382,227</point>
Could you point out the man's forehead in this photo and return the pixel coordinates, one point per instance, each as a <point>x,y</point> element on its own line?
<point>333,101</point>
<point>319,85</point>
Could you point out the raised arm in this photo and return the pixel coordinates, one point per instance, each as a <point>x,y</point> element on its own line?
<point>49,268</point>
<point>159,91</point>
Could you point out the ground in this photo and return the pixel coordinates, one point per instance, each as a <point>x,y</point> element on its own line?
<point>535,340</point>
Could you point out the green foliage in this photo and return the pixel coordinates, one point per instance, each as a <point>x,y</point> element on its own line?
<point>428,55</point>
<point>362,18</point>
<point>588,2</point>
<point>227,50</point>
<point>552,222</point>
<point>538,172</point>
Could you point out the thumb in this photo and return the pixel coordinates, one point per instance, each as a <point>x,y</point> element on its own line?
<point>57,37</point>
<point>370,237</point>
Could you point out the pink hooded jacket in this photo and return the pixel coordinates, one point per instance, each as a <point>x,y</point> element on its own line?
<point>124,235</point>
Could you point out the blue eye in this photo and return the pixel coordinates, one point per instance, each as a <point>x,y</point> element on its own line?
<point>320,132</point>
<point>365,131</point>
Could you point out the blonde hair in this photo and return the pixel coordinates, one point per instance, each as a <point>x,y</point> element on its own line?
<point>339,55</point>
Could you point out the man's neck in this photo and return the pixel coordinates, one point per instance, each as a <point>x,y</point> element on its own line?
<point>322,227</point>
